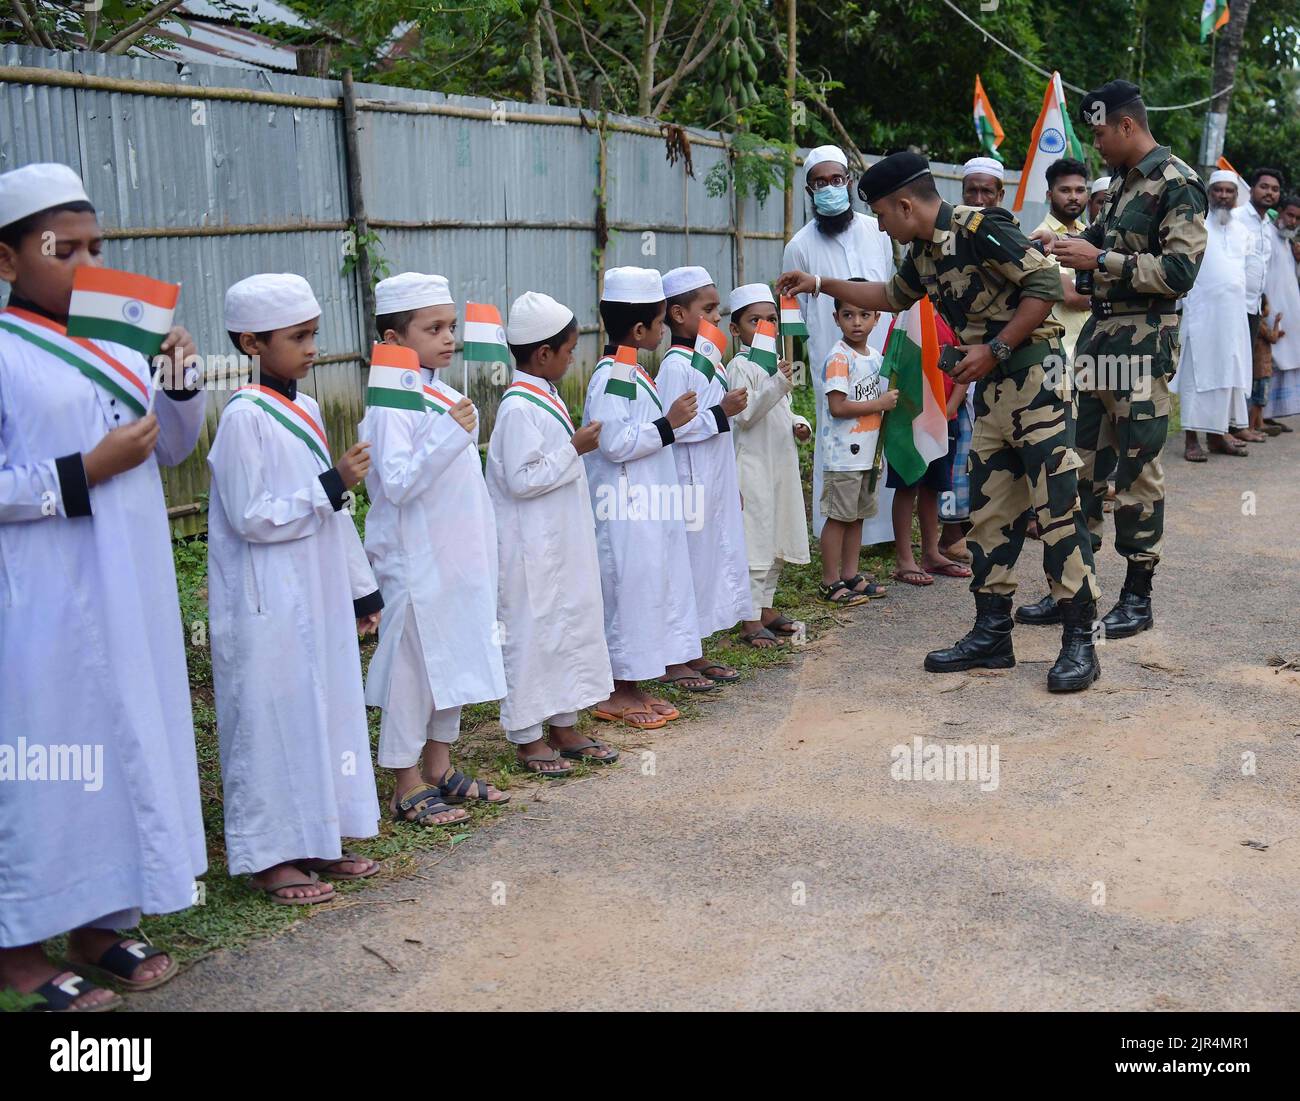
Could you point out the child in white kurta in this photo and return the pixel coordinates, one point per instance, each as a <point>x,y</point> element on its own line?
<point>650,617</point>
<point>92,654</point>
<point>288,588</point>
<point>767,464</point>
<point>552,618</point>
<point>431,536</point>
<point>706,470</point>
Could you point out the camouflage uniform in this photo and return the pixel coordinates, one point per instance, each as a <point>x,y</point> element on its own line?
<point>1152,225</point>
<point>975,269</point>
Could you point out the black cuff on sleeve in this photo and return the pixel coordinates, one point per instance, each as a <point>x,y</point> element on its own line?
<point>665,430</point>
<point>73,485</point>
<point>718,415</point>
<point>367,605</point>
<point>181,394</point>
<point>332,482</point>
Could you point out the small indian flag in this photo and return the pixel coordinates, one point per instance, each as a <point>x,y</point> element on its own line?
<point>127,309</point>
<point>987,129</point>
<point>1052,139</point>
<point>763,351</point>
<point>916,430</point>
<point>709,345</point>
<point>1214,14</point>
<point>791,319</point>
<point>485,336</point>
<point>395,380</point>
<point>622,374</point>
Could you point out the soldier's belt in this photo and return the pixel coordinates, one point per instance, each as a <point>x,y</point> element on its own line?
<point>1132,307</point>
<point>1026,356</point>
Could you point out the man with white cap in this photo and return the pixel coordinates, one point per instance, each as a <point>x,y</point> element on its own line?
<point>1097,196</point>
<point>983,182</point>
<point>431,536</point>
<point>842,243</point>
<point>1214,372</point>
<point>549,603</point>
<point>288,590</point>
<point>91,647</point>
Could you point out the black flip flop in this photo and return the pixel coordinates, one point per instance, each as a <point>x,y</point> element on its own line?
<point>675,682</point>
<point>783,625</point>
<point>59,999</point>
<point>763,633</point>
<point>719,678</point>
<point>553,774</point>
<point>581,754</point>
<point>118,963</point>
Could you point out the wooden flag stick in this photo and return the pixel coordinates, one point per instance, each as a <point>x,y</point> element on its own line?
<point>878,461</point>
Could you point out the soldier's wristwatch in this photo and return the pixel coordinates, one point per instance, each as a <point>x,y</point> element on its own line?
<point>1001,350</point>
<point>1101,259</point>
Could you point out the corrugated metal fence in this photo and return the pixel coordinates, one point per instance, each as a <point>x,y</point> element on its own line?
<point>205,175</point>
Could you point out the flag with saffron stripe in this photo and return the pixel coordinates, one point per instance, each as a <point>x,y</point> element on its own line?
<point>916,430</point>
<point>762,352</point>
<point>395,381</point>
<point>622,374</point>
<point>1214,14</point>
<point>485,336</point>
<point>709,346</point>
<point>122,307</point>
<point>792,323</point>
<point>987,128</point>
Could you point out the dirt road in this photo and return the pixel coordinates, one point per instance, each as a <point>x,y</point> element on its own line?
<point>771,861</point>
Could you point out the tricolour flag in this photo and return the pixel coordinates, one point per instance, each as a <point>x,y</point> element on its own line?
<point>916,429</point>
<point>1053,138</point>
<point>709,346</point>
<point>987,128</point>
<point>485,336</point>
<point>622,374</point>
<point>395,380</point>
<point>1214,14</point>
<point>762,352</point>
<point>127,309</point>
<point>791,319</point>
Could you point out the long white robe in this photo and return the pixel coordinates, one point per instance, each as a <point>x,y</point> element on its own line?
<point>706,468</point>
<point>767,466</point>
<point>431,537</point>
<point>862,251</point>
<point>1214,372</point>
<point>283,571</point>
<point>650,617</point>
<point>92,653</point>
<point>552,617</point>
<point>1283,290</point>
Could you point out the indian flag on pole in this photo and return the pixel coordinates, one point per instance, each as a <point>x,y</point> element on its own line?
<point>1053,138</point>
<point>127,309</point>
<point>792,323</point>
<point>485,336</point>
<point>916,430</point>
<point>709,344</point>
<point>622,374</point>
<point>395,381</point>
<point>1214,14</point>
<point>987,129</point>
<point>762,352</point>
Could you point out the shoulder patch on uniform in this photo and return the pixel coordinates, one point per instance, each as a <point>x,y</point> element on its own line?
<point>989,225</point>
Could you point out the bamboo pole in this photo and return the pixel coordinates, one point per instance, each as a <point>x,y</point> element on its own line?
<point>791,25</point>
<point>357,208</point>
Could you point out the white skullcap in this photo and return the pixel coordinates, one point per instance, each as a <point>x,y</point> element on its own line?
<point>680,280</point>
<point>824,153</point>
<point>986,165</point>
<point>1101,183</point>
<point>263,303</point>
<point>747,295</point>
<point>633,285</point>
<point>535,317</point>
<point>411,290</point>
<point>37,187</point>
<point>1222,175</point>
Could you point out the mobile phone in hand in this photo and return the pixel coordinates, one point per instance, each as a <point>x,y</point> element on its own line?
<point>949,357</point>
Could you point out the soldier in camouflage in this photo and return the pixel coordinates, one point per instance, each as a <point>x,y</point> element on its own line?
<point>1145,250</point>
<point>997,292</point>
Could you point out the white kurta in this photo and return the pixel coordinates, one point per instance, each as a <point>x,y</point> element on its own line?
<point>706,469</point>
<point>767,465</point>
<point>552,618</point>
<point>283,570</point>
<point>1283,292</point>
<point>431,537</point>
<point>92,653</point>
<point>650,617</point>
<point>1214,372</point>
<point>862,251</point>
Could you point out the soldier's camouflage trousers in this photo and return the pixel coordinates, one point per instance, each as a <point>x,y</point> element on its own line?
<point>1122,427</point>
<point>1022,455</point>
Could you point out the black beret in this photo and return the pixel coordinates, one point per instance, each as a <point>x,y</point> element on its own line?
<point>888,175</point>
<point>1109,97</point>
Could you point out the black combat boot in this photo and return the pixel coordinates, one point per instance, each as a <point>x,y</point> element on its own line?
<point>1042,614</point>
<point>1132,612</point>
<point>987,645</point>
<point>1077,665</point>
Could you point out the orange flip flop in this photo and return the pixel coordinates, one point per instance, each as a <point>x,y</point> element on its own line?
<point>621,716</point>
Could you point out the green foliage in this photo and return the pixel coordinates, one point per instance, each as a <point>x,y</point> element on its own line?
<point>370,244</point>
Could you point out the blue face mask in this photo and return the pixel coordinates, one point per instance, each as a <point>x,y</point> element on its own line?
<point>831,200</point>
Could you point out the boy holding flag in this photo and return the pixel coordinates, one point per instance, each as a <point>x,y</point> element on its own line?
<point>431,536</point>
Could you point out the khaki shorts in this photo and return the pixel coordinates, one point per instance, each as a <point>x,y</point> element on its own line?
<point>845,496</point>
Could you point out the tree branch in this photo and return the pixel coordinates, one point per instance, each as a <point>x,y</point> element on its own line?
<point>125,38</point>
<point>35,34</point>
<point>688,64</point>
<point>599,41</point>
<point>562,65</point>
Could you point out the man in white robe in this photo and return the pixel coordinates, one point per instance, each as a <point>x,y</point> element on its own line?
<point>842,243</point>
<point>1283,291</point>
<point>1214,373</point>
<point>100,818</point>
<point>552,618</point>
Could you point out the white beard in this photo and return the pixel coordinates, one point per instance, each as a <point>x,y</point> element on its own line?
<point>1223,215</point>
